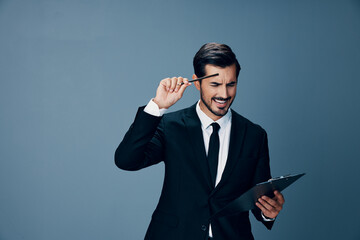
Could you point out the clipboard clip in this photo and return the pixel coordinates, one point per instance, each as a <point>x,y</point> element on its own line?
<point>280,177</point>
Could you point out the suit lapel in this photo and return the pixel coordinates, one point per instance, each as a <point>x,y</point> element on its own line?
<point>196,140</point>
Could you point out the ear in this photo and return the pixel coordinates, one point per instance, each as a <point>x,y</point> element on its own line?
<point>196,83</point>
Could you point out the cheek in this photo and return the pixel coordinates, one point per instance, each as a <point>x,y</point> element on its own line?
<point>208,93</point>
<point>232,92</point>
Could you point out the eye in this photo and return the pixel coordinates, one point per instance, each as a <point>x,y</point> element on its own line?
<point>232,84</point>
<point>214,84</point>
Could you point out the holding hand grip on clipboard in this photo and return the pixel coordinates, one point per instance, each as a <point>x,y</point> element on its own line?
<point>247,200</point>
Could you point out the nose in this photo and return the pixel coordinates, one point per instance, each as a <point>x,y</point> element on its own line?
<point>224,91</point>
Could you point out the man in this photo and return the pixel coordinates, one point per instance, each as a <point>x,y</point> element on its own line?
<point>207,164</point>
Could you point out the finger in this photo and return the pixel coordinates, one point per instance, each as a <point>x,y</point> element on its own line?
<point>270,201</point>
<point>279,197</point>
<point>265,211</point>
<point>173,84</point>
<point>166,82</point>
<point>266,204</point>
<point>178,84</point>
<point>262,208</point>
<point>184,86</point>
<point>270,213</point>
<point>274,203</point>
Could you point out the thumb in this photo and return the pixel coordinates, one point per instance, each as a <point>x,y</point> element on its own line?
<point>183,87</point>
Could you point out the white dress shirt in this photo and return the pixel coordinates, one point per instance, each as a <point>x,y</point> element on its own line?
<point>224,137</point>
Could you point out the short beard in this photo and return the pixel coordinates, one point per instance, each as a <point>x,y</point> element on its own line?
<point>209,108</point>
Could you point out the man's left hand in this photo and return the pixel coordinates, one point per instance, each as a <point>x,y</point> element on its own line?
<point>271,207</point>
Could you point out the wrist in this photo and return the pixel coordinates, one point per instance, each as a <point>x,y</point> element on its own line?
<point>153,109</point>
<point>267,219</point>
<point>158,103</point>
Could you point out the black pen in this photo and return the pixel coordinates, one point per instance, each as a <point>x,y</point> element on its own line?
<point>201,78</point>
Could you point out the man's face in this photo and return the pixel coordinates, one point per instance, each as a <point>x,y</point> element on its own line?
<point>217,93</point>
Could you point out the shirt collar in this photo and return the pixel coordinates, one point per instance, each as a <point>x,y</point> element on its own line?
<point>206,120</point>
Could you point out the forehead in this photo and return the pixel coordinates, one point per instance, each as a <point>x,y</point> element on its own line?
<point>226,74</point>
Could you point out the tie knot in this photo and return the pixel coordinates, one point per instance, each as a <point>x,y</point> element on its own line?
<point>215,126</point>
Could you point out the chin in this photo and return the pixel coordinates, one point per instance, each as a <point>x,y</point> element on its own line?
<point>220,112</point>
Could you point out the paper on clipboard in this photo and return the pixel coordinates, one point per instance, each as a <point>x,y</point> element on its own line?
<point>247,200</point>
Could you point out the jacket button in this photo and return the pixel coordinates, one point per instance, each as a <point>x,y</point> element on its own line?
<point>203,227</point>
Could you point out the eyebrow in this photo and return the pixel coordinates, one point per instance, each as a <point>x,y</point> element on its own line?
<point>219,83</point>
<point>232,82</point>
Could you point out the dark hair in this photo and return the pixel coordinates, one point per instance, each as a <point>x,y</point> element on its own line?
<point>216,54</point>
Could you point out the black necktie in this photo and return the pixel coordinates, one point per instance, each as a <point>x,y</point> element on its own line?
<point>213,153</point>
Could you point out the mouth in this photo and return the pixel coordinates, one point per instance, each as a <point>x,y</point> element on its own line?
<point>221,102</point>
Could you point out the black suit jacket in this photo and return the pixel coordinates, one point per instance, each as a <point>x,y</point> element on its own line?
<point>188,199</point>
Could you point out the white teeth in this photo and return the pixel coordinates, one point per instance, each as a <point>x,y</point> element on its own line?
<point>218,101</point>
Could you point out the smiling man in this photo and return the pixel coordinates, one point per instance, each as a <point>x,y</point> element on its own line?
<point>211,154</point>
<point>218,93</point>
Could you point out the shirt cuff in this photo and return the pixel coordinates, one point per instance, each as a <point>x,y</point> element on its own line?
<point>266,219</point>
<point>153,109</point>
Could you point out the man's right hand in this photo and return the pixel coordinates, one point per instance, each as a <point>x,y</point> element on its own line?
<point>170,91</point>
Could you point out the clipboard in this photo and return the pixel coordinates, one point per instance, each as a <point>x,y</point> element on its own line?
<point>247,200</point>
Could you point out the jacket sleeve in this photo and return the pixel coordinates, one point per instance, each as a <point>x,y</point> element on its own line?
<point>142,145</point>
<point>262,174</point>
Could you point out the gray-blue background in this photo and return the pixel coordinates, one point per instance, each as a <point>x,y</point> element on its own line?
<point>72,74</point>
